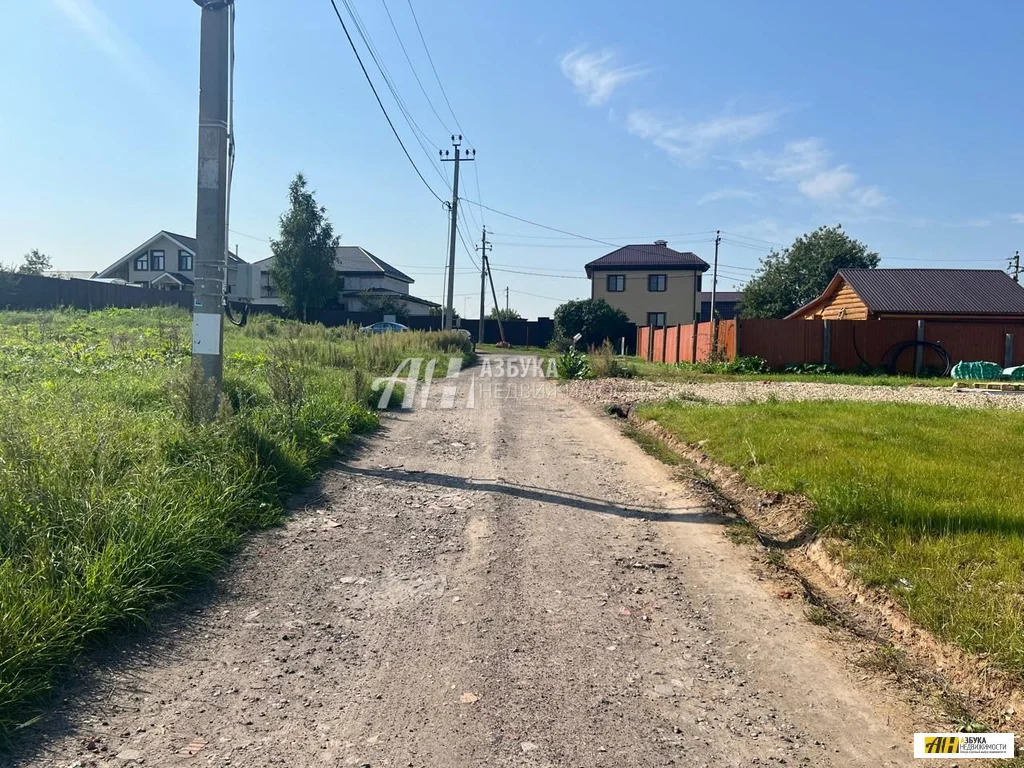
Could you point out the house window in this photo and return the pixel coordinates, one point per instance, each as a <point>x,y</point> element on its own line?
<point>616,283</point>
<point>700,282</point>
<point>266,289</point>
<point>656,283</point>
<point>142,262</point>
<point>656,319</point>
<point>184,261</point>
<point>157,260</point>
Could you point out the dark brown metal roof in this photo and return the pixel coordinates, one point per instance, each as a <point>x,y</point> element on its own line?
<point>656,256</point>
<point>722,296</point>
<point>937,291</point>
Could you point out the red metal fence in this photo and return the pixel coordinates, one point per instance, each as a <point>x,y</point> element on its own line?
<point>845,344</point>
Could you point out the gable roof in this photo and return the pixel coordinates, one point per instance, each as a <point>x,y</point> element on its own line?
<point>930,291</point>
<point>389,292</point>
<point>177,277</point>
<point>647,256</point>
<point>727,297</point>
<point>183,241</point>
<point>354,259</point>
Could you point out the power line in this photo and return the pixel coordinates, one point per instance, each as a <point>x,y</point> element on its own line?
<point>432,67</point>
<point>754,239</point>
<point>413,68</point>
<point>380,103</point>
<point>418,133</point>
<point>576,237</point>
<point>536,296</point>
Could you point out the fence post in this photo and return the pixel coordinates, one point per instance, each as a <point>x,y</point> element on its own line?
<point>679,344</point>
<point>664,344</point>
<point>1008,351</point>
<point>650,343</point>
<point>919,350</point>
<point>739,338</point>
<point>694,326</point>
<point>826,352</point>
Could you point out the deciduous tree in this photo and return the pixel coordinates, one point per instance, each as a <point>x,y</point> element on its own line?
<point>787,280</point>
<point>303,269</point>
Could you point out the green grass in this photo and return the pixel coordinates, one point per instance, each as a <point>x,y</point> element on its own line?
<point>685,373</point>
<point>514,350</point>
<point>928,501</point>
<point>117,497</point>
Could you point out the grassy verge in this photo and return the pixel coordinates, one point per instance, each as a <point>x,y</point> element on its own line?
<point>117,496</point>
<point>928,501</point>
<point>513,350</point>
<point>700,373</point>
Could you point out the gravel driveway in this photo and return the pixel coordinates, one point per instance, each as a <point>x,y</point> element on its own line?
<point>507,583</point>
<point>629,391</point>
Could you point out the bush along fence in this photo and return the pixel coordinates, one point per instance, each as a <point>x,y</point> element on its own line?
<point>899,345</point>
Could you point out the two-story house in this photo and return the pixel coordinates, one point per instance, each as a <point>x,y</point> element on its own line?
<point>167,261</point>
<point>367,283</point>
<point>652,284</point>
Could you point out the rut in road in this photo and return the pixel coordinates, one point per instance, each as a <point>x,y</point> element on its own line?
<point>508,584</point>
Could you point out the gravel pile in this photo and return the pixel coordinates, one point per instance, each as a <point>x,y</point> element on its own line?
<point>630,391</point>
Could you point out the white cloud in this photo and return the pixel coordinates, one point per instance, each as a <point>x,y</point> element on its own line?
<point>693,142</point>
<point>1017,218</point>
<point>597,75</point>
<point>726,194</point>
<point>105,37</point>
<point>829,184</point>
<point>808,163</point>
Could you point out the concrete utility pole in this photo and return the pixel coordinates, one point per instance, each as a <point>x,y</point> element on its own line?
<point>506,301</point>
<point>501,325</point>
<point>1015,266</point>
<point>714,276</point>
<point>449,308</point>
<point>215,64</point>
<point>483,248</point>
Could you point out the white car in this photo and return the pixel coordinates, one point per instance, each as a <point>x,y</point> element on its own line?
<point>384,327</point>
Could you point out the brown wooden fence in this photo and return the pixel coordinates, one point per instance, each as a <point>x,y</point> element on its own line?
<point>845,344</point>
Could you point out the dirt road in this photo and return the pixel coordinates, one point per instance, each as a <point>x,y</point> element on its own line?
<point>512,584</point>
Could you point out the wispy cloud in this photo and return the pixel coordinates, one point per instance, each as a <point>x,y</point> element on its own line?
<point>693,142</point>
<point>726,194</point>
<point>808,164</point>
<point>597,75</point>
<point>1017,218</point>
<point>101,32</point>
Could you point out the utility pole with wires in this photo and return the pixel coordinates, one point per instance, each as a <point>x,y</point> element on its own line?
<point>449,309</point>
<point>714,275</point>
<point>483,248</point>
<point>497,313</point>
<point>215,65</point>
<point>714,293</point>
<point>506,301</point>
<point>1015,266</point>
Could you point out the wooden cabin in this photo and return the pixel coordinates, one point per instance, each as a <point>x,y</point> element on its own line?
<point>922,294</point>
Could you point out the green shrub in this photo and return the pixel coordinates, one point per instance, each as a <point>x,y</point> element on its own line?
<point>606,365</point>
<point>573,365</point>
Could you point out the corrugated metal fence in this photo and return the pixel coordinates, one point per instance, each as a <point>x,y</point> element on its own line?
<point>845,344</point>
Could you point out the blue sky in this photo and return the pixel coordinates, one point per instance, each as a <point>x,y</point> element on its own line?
<point>620,122</point>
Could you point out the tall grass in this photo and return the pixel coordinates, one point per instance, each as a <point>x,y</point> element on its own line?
<point>117,496</point>
<point>930,500</point>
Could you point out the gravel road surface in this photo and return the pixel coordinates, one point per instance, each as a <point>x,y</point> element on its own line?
<point>626,391</point>
<point>508,584</point>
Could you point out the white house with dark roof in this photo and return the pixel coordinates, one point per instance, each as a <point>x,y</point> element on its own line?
<point>167,261</point>
<point>367,280</point>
